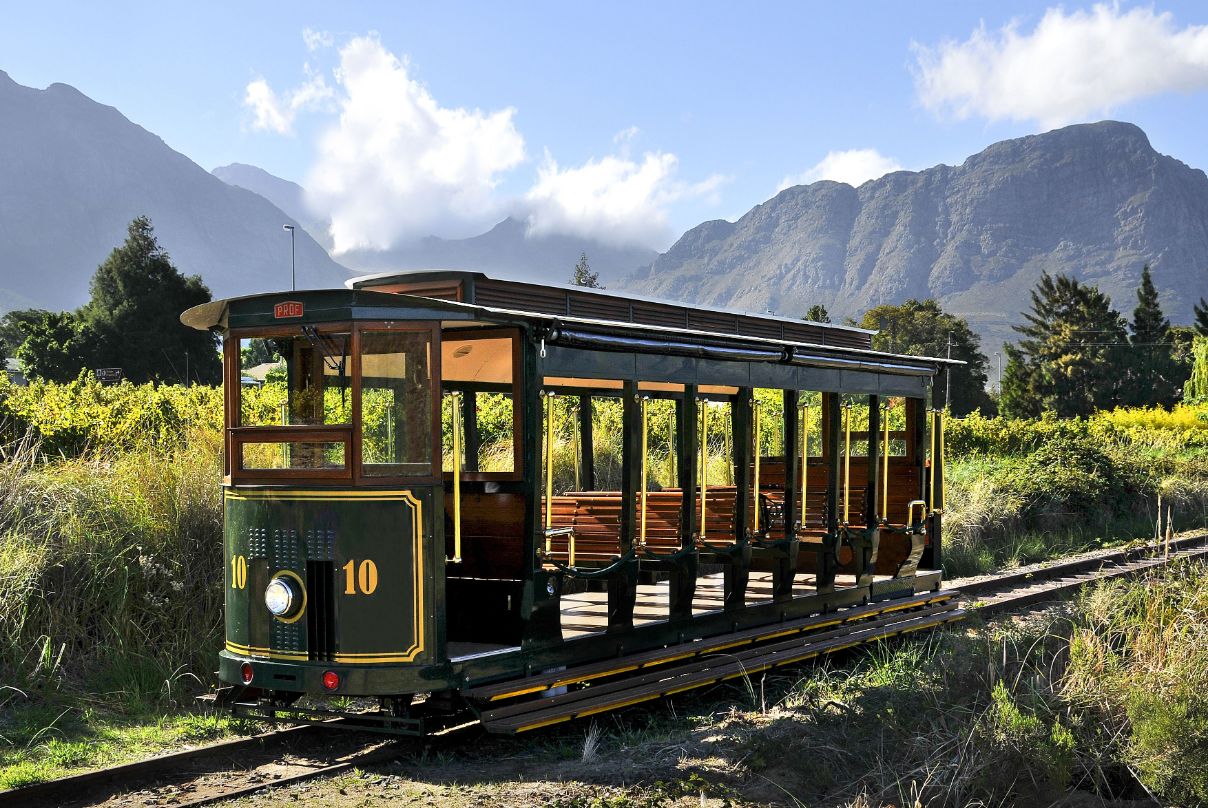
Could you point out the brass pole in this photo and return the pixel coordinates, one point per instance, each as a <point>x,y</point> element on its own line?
<point>885,467</point>
<point>549,467</point>
<point>704,464</point>
<point>645,447</point>
<point>805,456</point>
<point>846,462</point>
<point>755,406</point>
<point>456,476</point>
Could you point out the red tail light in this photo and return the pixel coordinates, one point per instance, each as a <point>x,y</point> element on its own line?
<point>331,680</point>
<point>245,673</point>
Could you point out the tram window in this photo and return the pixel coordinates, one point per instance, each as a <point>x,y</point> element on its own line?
<point>396,403</point>
<point>895,413</point>
<point>304,379</point>
<point>717,464</point>
<point>661,443</point>
<point>480,366</point>
<point>771,422</point>
<point>292,455</point>
<point>810,412</point>
<point>494,417</point>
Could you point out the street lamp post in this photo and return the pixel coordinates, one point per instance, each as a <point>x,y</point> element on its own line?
<point>293,277</point>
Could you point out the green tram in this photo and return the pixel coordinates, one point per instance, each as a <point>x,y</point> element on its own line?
<point>446,492</point>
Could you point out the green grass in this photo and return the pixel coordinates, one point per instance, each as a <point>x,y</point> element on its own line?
<point>45,740</point>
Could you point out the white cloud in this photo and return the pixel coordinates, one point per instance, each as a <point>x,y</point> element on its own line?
<point>274,113</point>
<point>1069,67</point>
<point>614,198</point>
<point>397,165</point>
<point>853,166</point>
<point>317,39</point>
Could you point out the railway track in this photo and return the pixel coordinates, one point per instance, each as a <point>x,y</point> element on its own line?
<point>236,768</point>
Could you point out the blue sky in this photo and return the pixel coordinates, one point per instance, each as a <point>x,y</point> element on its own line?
<point>629,121</point>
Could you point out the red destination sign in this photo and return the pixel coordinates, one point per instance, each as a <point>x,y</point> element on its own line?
<point>288,308</point>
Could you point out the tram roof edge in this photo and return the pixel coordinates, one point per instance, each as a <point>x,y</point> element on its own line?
<point>422,275</point>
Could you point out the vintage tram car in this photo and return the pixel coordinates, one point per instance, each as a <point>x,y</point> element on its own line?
<point>463,497</point>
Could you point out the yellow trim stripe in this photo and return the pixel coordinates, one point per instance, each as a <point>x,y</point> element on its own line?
<point>256,651</point>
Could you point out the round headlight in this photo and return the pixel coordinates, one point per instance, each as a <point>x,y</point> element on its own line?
<point>280,597</point>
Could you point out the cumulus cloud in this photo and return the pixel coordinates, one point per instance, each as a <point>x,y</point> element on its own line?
<point>1071,66</point>
<point>613,199</point>
<point>853,166</point>
<point>398,165</point>
<point>275,113</point>
<point>394,165</point>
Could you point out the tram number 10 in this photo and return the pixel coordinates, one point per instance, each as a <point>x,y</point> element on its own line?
<point>360,578</point>
<point>238,572</point>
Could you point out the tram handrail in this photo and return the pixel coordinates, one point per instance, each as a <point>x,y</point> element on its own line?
<point>456,425</point>
<point>847,462</point>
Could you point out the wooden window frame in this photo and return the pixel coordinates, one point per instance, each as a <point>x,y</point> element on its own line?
<point>515,334</point>
<point>349,434</point>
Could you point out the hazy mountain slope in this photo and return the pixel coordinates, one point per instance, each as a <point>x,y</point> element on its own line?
<point>1093,200</point>
<point>289,196</point>
<point>506,251</point>
<point>73,173</point>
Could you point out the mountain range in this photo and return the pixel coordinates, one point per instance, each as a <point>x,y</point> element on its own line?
<point>74,173</point>
<point>1094,200</point>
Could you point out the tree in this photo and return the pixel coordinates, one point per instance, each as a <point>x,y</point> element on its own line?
<point>13,328</point>
<point>583,276</point>
<point>1070,358</point>
<point>1201,317</point>
<point>817,313</point>
<point>134,313</point>
<point>56,347</point>
<point>1154,376</point>
<point>1196,390</point>
<point>922,328</point>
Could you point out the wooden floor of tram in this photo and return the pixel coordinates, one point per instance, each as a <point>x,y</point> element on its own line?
<point>586,613</point>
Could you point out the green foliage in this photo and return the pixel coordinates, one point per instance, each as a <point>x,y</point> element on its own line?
<point>922,328</point>
<point>1071,353</point>
<point>1155,377</point>
<point>1139,663</point>
<point>1034,749</point>
<point>817,313</point>
<point>137,299</point>
<point>1201,317</point>
<point>1196,389</point>
<point>583,276</point>
<point>84,415</point>
<point>14,326</point>
<point>56,347</point>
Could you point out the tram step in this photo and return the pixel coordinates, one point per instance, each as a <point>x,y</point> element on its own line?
<point>512,688</point>
<point>711,669</point>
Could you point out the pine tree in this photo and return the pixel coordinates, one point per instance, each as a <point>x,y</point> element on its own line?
<point>583,276</point>
<point>57,346</point>
<point>1070,359</point>
<point>134,313</point>
<point>817,313</point>
<point>922,328</point>
<point>1154,376</point>
<point>1201,317</point>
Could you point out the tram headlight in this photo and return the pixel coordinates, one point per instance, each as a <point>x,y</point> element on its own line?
<point>282,597</point>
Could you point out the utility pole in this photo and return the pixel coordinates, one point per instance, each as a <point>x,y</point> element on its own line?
<point>948,377</point>
<point>998,358</point>
<point>293,278</point>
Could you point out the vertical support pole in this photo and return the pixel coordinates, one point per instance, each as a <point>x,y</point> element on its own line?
<point>457,428</point>
<point>542,589</point>
<point>792,437</point>
<point>832,438</point>
<point>587,444</point>
<point>682,586</point>
<point>470,414</point>
<point>689,450</point>
<point>623,585</point>
<point>786,567</point>
<point>867,561</point>
<point>937,518</point>
<point>738,570</point>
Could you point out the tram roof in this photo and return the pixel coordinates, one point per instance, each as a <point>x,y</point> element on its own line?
<point>359,303</point>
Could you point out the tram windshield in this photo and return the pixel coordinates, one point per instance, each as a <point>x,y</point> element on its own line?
<point>304,379</point>
<point>304,394</point>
